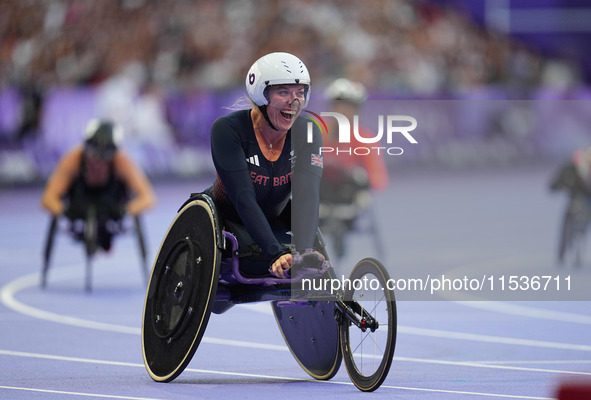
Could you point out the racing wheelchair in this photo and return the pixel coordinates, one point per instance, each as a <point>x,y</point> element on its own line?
<point>577,214</point>
<point>95,231</point>
<point>197,272</point>
<point>345,208</point>
<point>575,223</point>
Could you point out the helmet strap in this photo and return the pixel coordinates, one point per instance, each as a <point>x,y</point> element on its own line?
<point>264,111</point>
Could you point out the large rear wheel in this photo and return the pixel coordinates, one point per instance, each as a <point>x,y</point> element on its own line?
<point>181,292</point>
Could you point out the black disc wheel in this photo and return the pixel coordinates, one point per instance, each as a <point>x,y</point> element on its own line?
<point>181,292</point>
<point>368,349</point>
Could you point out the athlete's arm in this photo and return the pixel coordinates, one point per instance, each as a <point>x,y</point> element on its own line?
<point>60,181</point>
<point>305,192</point>
<point>305,187</point>
<point>230,163</point>
<point>135,179</point>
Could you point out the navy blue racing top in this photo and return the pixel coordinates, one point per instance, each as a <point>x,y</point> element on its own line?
<point>254,191</point>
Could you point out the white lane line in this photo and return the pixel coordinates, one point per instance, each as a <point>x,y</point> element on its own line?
<point>241,343</point>
<point>491,339</point>
<point>526,311</point>
<point>9,291</point>
<point>471,364</point>
<point>104,396</point>
<point>504,396</point>
<point>7,297</point>
<point>533,362</point>
<point>248,375</point>
<point>66,358</point>
<point>475,364</point>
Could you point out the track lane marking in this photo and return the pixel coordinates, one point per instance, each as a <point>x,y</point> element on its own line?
<point>534,362</point>
<point>491,339</point>
<point>104,396</point>
<point>526,311</point>
<point>242,374</point>
<point>9,291</point>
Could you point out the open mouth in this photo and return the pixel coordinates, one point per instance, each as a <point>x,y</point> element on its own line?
<point>288,114</point>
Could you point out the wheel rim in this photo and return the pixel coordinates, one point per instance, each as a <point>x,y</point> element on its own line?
<point>368,355</point>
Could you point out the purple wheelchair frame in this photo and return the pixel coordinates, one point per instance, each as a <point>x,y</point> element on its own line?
<point>322,316</point>
<point>230,276</point>
<point>267,280</point>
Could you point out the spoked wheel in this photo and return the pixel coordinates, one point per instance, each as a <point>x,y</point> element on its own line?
<point>368,349</point>
<point>181,292</point>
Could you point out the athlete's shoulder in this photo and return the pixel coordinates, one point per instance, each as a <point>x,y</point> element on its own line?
<point>236,120</point>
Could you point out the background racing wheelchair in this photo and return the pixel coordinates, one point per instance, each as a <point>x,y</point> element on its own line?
<point>93,185</point>
<point>577,214</point>
<point>197,272</point>
<point>346,208</point>
<point>94,219</point>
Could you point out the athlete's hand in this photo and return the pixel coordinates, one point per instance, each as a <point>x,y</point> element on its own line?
<point>56,208</point>
<point>281,264</point>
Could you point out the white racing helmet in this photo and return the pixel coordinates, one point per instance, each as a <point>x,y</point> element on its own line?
<point>276,69</point>
<point>102,138</point>
<point>346,90</point>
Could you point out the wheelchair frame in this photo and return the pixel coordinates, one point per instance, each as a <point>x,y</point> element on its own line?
<point>575,223</point>
<point>91,246</point>
<point>189,281</point>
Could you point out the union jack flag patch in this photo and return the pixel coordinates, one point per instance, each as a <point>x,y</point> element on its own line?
<point>317,160</point>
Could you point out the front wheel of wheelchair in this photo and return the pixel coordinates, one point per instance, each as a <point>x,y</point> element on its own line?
<point>368,351</point>
<point>181,292</point>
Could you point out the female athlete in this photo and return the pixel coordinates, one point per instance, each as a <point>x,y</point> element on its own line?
<point>269,167</point>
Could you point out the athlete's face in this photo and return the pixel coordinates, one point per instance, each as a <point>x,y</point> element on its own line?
<point>285,104</point>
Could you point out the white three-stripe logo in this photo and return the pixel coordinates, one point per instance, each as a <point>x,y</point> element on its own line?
<point>254,160</point>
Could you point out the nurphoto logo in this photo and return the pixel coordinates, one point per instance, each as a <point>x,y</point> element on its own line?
<point>393,125</point>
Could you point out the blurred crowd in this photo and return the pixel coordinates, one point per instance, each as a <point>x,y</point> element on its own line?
<point>165,69</point>
<point>394,46</point>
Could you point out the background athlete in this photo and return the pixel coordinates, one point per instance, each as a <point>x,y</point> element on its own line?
<point>348,179</point>
<point>98,174</point>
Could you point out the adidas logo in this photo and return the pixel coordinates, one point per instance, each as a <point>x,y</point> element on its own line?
<point>254,160</point>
